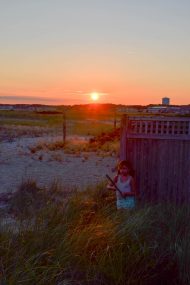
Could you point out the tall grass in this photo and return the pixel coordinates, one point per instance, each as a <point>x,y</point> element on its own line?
<point>73,146</point>
<point>90,128</point>
<point>77,122</point>
<point>85,240</point>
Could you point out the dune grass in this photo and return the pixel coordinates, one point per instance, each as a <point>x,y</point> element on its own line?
<point>91,128</point>
<point>85,240</point>
<point>77,147</point>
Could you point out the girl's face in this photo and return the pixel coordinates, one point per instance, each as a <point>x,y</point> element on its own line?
<point>124,170</point>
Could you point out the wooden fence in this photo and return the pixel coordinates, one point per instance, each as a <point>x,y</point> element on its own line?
<point>159,150</point>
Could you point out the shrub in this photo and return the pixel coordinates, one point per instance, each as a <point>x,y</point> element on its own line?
<point>28,199</point>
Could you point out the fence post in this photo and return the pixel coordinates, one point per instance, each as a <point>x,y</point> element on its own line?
<point>123,137</point>
<point>115,120</point>
<point>64,127</point>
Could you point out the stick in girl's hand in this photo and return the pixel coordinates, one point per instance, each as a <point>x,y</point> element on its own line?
<point>113,183</point>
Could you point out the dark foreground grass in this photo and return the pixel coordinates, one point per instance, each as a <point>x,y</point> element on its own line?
<point>84,240</point>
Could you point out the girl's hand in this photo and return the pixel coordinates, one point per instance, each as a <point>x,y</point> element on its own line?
<point>110,187</point>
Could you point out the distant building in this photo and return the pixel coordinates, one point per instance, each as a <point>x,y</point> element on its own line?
<point>126,109</point>
<point>165,101</point>
<point>6,107</point>
<point>180,110</point>
<point>156,109</point>
<point>27,107</point>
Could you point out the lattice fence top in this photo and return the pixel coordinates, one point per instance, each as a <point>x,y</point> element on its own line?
<point>156,127</point>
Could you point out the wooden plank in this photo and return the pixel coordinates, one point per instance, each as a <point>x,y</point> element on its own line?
<point>137,166</point>
<point>169,173</point>
<point>161,136</point>
<point>162,128</point>
<point>146,127</point>
<point>159,118</point>
<point>151,170</point>
<point>167,129</point>
<point>143,170</point>
<point>181,181</point>
<point>145,162</point>
<point>155,167</point>
<point>175,161</point>
<point>151,128</point>
<point>186,169</point>
<point>160,163</point>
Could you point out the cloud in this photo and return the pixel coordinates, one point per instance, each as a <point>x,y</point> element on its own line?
<point>24,98</point>
<point>70,97</point>
<point>19,99</point>
<point>100,93</point>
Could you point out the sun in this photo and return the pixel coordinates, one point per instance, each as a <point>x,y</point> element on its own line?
<point>94,96</point>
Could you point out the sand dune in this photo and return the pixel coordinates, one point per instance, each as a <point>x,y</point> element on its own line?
<point>17,163</point>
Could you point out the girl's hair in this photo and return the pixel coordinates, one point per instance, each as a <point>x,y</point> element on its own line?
<point>128,165</point>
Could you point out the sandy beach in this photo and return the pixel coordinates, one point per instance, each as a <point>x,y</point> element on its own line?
<point>18,163</point>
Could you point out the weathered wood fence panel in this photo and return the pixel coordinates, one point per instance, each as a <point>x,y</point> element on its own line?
<point>159,150</point>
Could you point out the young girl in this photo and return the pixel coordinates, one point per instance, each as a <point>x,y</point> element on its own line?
<point>125,182</point>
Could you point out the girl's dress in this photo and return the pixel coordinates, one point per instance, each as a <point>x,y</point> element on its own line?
<point>127,202</point>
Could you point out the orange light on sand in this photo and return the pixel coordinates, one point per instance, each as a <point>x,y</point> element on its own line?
<point>94,96</point>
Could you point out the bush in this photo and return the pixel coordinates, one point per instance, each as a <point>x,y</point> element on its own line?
<point>27,199</point>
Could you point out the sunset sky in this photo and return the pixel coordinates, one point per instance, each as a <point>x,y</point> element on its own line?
<point>128,51</point>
